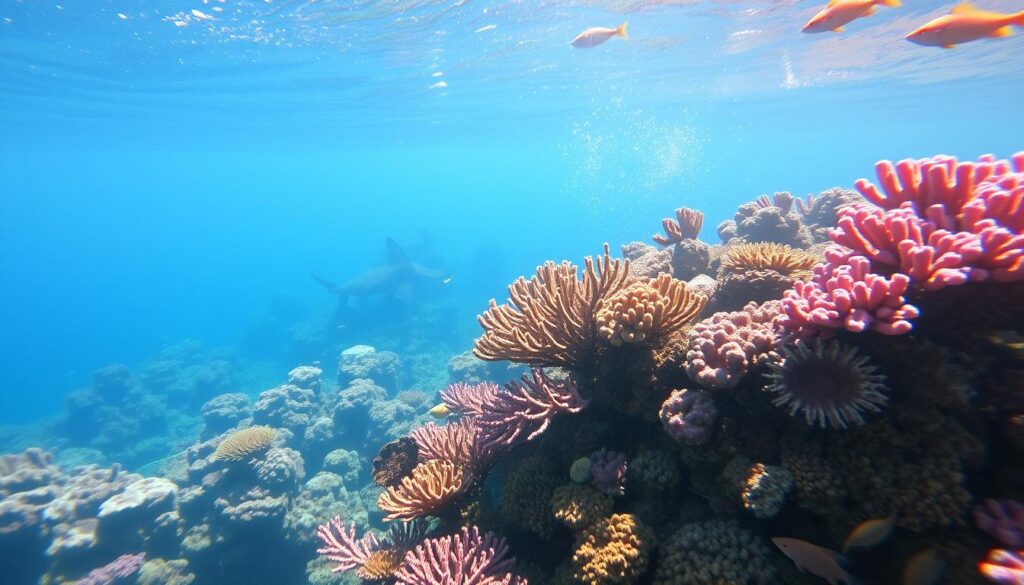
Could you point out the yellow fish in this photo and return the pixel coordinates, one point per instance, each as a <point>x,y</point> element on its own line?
<point>440,411</point>
<point>869,533</point>
<point>964,24</point>
<point>839,13</point>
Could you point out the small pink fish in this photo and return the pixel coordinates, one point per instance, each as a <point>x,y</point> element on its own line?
<point>839,13</point>
<point>815,559</point>
<point>964,24</point>
<point>599,35</point>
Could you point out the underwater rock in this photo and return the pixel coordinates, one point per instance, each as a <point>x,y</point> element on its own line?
<point>223,412</point>
<point>32,468</point>
<point>307,377</point>
<point>255,508</point>
<point>286,406</point>
<point>646,261</point>
<point>140,503</point>
<point>364,361</point>
<point>281,469</point>
<point>689,258</point>
<point>323,496</point>
<point>344,463</point>
<point>112,383</point>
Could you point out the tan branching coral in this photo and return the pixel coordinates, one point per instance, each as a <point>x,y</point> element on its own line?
<point>645,312</point>
<point>686,226</point>
<point>246,443</point>
<point>613,550</point>
<point>430,487</point>
<point>578,506</point>
<point>550,318</point>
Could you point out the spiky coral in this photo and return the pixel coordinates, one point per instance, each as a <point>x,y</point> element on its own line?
<point>613,550</point>
<point>431,487</point>
<point>456,441</point>
<point>685,226</point>
<point>245,444</point>
<point>550,321</point>
<point>829,384</point>
<point>645,312</point>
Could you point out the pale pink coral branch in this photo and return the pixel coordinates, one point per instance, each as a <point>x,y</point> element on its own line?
<point>525,409</point>
<point>468,399</point>
<point>342,547</point>
<point>464,558</point>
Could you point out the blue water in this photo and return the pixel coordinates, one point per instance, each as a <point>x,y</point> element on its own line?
<point>169,177</point>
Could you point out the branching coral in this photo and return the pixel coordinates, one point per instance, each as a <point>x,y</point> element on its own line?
<point>464,558</point>
<point>550,321</point>
<point>373,557</point>
<point>646,312</point>
<point>456,441</point>
<point>724,347</point>
<point>525,409</point>
<point>613,550</point>
<point>245,444</point>
<point>431,487</point>
<point>829,384</point>
<point>468,399</point>
<point>578,506</point>
<point>686,226</point>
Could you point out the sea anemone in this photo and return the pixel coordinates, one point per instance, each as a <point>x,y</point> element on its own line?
<point>829,383</point>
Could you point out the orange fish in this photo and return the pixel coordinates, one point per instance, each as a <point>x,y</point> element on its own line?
<point>598,35</point>
<point>964,24</point>
<point>839,13</point>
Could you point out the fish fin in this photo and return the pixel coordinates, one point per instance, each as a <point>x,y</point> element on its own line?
<point>948,46</point>
<point>891,3</point>
<point>963,8</point>
<point>838,29</point>
<point>1018,18</point>
<point>330,286</point>
<point>1003,31</point>
<point>871,10</point>
<point>622,32</point>
<point>396,255</point>
<point>832,3</point>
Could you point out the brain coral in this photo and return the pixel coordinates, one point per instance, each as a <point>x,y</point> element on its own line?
<point>578,506</point>
<point>613,550</point>
<point>645,312</point>
<point>716,552</point>
<point>245,444</point>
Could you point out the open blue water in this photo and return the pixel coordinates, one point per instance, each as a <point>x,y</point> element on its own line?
<point>166,176</point>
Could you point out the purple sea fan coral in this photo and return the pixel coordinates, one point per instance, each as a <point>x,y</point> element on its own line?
<point>608,470</point>
<point>830,384</point>
<point>468,399</point>
<point>724,347</point>
<point>456,441</point>
<point>525,409</point>
<point>1003,519</point>
<point>120,570</point>
<point>689,416</point>
<point>464,558</point>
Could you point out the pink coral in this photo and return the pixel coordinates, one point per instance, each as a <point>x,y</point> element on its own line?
<point>123,569</point>
<point>458,441</point>
<point>1003,519</point>
<point>724,347</point>
<point>689,416</point>
<point>608,469</point>
<point>464,558</point>
<point>468,399</point>
<point>525,409</point>
<point>348,552</point>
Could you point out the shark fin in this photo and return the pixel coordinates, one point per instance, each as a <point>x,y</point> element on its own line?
<point>330,286</point>
<point>1003,31</point>
<point>396,255</point>
<point>963,8</point>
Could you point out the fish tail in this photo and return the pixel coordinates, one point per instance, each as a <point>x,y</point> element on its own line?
<point>622,32</point>
<point>1018,19</point>
<point>891,3</point>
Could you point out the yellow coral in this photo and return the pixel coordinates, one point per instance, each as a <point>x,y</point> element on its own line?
<point>430,487</point>
<point>613,550</point>
<point>646,311</point>
<point>245,443</point>
<point>381,565</point>
<point>793,262</point>
<point>550,321</point>
<point>578,506</point>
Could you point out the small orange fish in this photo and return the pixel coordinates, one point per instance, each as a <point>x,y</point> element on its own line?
<point>598,35</point>
<point>839,13</point>
<point>964,24</point>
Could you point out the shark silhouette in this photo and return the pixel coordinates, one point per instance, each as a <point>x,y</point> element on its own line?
<point>398,273</point>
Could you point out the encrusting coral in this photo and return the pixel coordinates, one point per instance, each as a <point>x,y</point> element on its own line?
<point>612,551</point>
<point>550,321</point>
<point>578,506</point>
<point>245,444</point>
<point>715,552</point>
<point>645,312</point>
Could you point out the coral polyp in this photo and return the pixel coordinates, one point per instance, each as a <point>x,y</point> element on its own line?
<point>830,384</point>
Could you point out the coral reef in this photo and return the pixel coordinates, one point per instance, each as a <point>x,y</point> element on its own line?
<point>759,272</point>
<point>767,220</point>
<point>689,416</point>
<point>578,506</point>
<point>429,488</point>
<point>647,312</point>
<point>724,347</point>
<point>613,550</point>
<point>245,443</point>
<point>714,552</point>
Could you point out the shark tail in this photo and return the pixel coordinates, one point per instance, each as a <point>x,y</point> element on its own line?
<point>331,287</point>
